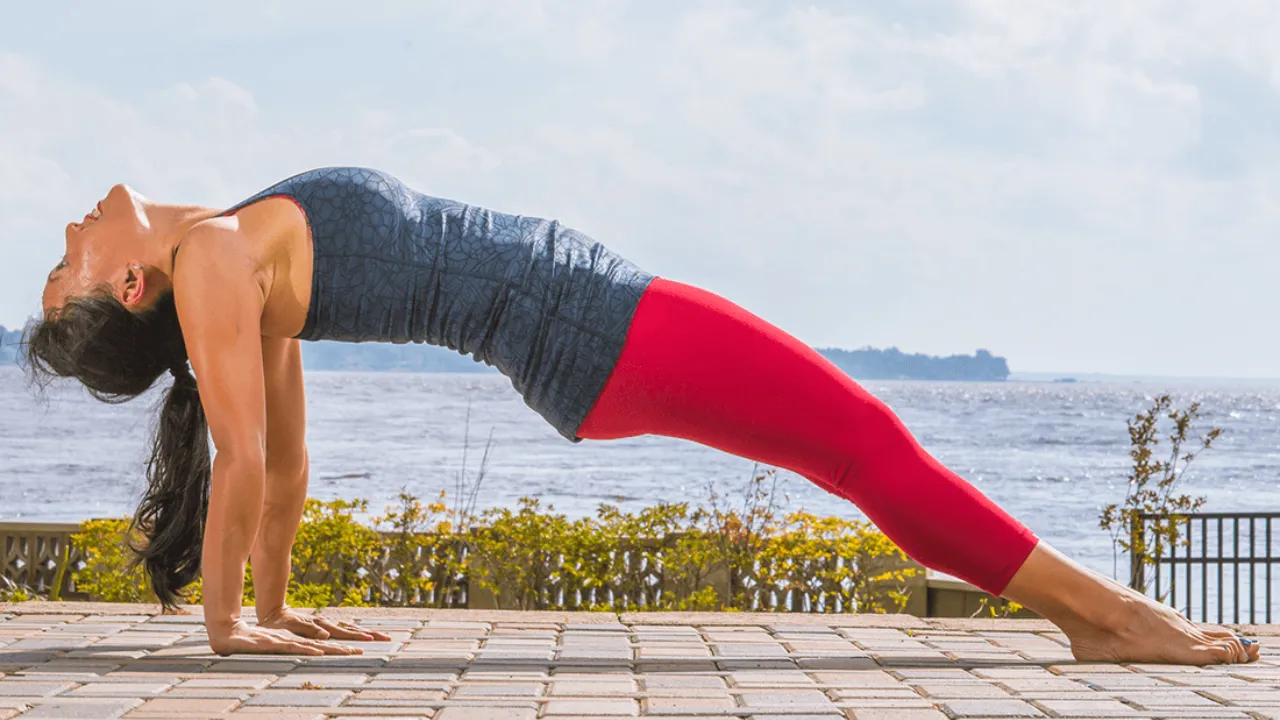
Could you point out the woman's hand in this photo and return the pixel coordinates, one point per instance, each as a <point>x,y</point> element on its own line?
<point>244,638</point>
<point>316,627</point>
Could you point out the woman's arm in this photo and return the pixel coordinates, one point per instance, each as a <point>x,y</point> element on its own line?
<point>220,305</point>
<point>286,472</point>
<point>285,496</point>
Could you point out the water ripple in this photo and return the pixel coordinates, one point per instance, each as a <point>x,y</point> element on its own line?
<point>1053,454</point>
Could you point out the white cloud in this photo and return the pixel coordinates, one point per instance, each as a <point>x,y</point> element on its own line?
<point>1068,183</point>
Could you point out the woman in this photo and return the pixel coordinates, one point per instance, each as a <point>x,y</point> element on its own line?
<point>598,347</point>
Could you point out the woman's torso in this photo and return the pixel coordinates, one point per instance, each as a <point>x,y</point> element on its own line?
<point>545,304</point>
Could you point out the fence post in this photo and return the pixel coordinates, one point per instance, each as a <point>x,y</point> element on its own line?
<point>719,579</point>
<point>1137,554</point>
<point>481,598</point>
<point>917,590</point>
<point>478,596</point>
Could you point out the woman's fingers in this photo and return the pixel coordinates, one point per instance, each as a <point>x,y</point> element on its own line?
<point>276,645</point>
<point>309,628</point>
<point>381,637</point>
<point>297,648</point>
<point>286,645</point>
<point>343,631</point>
<point>301,625</point>
<point>289,637</point>
<point>336,649</point>
<point>339,630</point>
<point>327,648</point>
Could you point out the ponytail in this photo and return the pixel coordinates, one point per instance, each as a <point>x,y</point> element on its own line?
<point>118,355</point>
<point>172,513</point>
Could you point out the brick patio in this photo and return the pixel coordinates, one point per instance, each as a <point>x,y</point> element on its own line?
<point>70,660</point>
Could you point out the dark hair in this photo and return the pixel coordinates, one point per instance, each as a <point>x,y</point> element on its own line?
<point>118,355</point>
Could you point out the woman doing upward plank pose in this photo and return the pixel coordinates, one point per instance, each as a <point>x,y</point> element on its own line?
<point>598,347</point>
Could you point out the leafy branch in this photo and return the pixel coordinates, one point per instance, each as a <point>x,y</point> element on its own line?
<point>1153,483</point>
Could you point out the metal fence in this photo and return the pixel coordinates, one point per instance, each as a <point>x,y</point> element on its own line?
<point>41,555</point>
<point>37,555</point>
<point>1216,567</point>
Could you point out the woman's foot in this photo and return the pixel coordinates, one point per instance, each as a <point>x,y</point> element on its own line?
<point>1147,631</point>
<point>1107,622</point>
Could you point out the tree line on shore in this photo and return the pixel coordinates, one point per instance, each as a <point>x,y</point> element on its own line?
<point>864,364</point>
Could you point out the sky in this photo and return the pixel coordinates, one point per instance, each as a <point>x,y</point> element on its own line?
<point>1076,185</point>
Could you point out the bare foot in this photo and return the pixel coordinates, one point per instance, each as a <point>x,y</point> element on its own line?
<point>1108,622</point>
<point>1149,632</point>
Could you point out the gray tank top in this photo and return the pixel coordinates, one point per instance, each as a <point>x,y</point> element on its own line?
<point>546,305</point>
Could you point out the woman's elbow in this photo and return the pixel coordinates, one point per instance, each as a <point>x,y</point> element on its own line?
<point>287,464</point>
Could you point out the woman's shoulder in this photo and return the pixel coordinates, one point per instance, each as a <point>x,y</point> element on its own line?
<point>210,243</point>
<point>342,175</point>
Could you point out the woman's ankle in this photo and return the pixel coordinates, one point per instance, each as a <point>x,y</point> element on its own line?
<point>1068,595</point>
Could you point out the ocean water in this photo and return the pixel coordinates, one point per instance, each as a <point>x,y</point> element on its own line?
<point>1052,454</point>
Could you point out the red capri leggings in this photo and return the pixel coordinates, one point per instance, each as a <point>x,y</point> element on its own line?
<point>696,366</point>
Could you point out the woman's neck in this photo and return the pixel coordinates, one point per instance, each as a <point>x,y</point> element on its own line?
<point>171,223</point>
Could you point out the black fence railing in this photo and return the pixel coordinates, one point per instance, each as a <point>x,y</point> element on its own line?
<point>1216,567</point>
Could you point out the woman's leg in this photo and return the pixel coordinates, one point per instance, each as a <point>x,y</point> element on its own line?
<point>696,366</point>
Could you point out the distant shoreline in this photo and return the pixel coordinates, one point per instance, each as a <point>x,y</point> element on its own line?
<point>1119,378</point>
<point>861,364</point>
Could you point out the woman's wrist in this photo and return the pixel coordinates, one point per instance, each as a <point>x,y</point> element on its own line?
<point>272,612</point>
<point>221,620</point>
<point>222,627</point>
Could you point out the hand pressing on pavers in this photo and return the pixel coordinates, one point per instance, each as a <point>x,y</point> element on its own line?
<point>316,627</point>
<point>242,637</point>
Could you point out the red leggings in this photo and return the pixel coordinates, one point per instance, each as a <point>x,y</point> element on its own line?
<point>696,366</point>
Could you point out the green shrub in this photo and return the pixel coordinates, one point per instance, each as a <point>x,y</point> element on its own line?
<point>1153,485</point>
<point>329,554</point>
<point>108,573</point>
<point>665,557</point>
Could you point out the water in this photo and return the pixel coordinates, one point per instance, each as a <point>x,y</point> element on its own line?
<point>1052,454</point>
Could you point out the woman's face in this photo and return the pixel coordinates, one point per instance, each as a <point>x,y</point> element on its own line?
<point>102,250</point>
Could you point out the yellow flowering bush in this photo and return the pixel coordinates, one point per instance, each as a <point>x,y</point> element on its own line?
<point>108,572</point>
<point>664,557</point>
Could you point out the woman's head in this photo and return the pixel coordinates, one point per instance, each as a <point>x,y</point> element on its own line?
<point>110,322</point>
<point>115,250</point>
